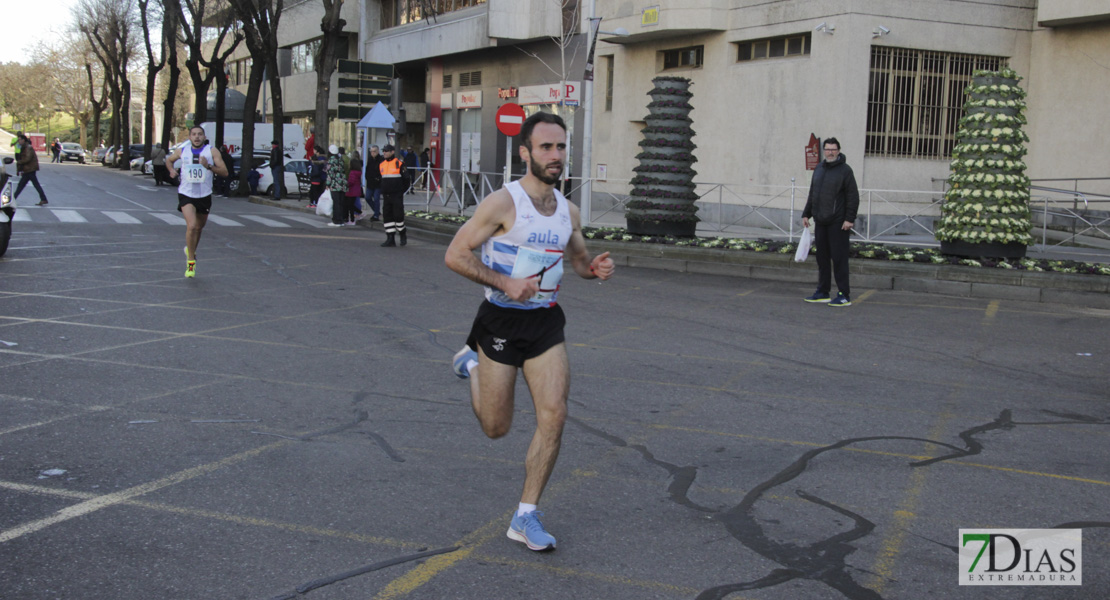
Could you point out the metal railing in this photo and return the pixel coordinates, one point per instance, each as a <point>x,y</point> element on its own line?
<point>726,207</point>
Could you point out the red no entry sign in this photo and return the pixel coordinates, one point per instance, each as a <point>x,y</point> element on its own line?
<point>509,119</point>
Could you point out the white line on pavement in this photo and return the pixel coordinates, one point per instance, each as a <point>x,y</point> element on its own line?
<point>69,216</point>
<point>265,221</point>
<point>223,221</point>
<point>128,199</point>
<point>314,221</point>
<point>121,217</point>
<point>167,217</point>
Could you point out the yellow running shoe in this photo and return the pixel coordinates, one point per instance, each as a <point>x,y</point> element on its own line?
<point>191,268</point>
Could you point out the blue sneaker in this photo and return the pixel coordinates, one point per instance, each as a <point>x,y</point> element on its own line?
<point>841,300</point>
<point>462,357</point>
<point>818,296</point>
<point>528,529</point>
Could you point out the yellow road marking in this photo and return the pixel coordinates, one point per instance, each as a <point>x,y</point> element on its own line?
<point>864,296</point>
<point>102,502</point>
<point>891,547</point>
<point>992,309</point>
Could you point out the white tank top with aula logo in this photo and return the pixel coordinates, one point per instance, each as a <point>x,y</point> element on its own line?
<point>533,247</point>
<point>196,181</point>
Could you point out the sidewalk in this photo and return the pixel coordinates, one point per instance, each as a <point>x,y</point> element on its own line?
<point>975,282</point>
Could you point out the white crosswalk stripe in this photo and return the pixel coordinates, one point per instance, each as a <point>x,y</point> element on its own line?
<point>167,217</point>
<point>121,217</point>
<point>223,221</point>
<point>68,216</point>
<point>142,217</point>
<point>265,221</point>
<point>313,221</point>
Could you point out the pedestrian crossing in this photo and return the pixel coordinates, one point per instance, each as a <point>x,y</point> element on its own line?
<point>134,217</point>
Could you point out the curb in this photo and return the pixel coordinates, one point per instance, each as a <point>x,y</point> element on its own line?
<point>970,282</point>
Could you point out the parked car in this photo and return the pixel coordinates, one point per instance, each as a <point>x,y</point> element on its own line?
<point>109,157</point>
<point>293,167</point>
<point>73,151</point>
<point>99,154</point>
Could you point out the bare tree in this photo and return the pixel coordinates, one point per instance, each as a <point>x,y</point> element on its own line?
<point>324,62</point>
<point>23,89</point>
<point>260,19</point>
<point>194,18</point>
<point>66,57</point>
<point>154,63</point>
<point>566,40</point>
<point>172,11</point>
<point>108,25</point>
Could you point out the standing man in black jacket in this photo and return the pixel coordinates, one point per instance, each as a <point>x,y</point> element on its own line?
<point>833,202</point>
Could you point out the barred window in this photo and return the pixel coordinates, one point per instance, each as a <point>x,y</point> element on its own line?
<point>447,81</point>
<point>915,99</point>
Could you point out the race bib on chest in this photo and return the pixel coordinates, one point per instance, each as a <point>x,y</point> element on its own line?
<point>193,173</point>
<point>545,265</point>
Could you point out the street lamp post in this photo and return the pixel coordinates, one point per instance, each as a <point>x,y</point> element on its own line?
<point>588,127</point>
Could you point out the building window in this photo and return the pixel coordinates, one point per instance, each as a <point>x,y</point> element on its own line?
<point>446,81</point>
<point>608,83</point>
<point>778,47</point>
<point>683,58</point>
<point>401,12</point>
<point>471,78</point>
<point>304,56</point>
<point>915,99</point>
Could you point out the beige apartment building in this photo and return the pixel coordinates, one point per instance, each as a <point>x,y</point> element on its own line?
<point>885,77</point>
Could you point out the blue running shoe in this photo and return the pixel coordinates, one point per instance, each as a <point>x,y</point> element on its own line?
<point>818,296</point>
<point>841,300</point>
<point>462,357</point>
<point>528,529</point>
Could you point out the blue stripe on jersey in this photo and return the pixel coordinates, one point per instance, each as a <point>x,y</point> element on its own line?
<point>502,269</point>
<point>504,248</point>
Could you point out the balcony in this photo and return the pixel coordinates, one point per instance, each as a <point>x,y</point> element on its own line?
<point>648,20</point>
<point>1057,13</point>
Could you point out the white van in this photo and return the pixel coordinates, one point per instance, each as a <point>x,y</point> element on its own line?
<point>292,138</point>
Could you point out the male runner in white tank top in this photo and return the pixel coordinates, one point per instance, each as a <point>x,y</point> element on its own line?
<point>528,232</point>
<point>194,194</point>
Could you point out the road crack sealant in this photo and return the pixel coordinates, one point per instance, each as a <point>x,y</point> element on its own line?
<point>823,561</point>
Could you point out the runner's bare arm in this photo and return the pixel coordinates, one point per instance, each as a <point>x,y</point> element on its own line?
<point>494,215</point>
<point>218,166</point>
<point>600,266</point>
<point>169,163</point>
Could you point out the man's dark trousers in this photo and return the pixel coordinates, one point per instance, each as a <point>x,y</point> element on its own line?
<point>831,242</point>
<point>278,173</point>
<point>33,177</point>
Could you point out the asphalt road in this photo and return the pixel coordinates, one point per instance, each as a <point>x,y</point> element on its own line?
<point>286,425</point>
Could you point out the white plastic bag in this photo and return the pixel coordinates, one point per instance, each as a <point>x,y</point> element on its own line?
<point>324,204</point>
<point>804,243</point>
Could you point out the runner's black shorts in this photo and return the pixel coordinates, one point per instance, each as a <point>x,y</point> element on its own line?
<point>203,205</point>
<point>511,336</point>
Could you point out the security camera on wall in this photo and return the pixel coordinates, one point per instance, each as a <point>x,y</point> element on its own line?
<point>825,27</point>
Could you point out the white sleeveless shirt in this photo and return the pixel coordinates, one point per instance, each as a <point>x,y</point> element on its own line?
<point>196,181</point>
<point>532,247</point>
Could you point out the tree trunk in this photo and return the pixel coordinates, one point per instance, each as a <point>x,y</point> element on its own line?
<point>168,104</point>
<point>254,87</point>
<point>221,100</point>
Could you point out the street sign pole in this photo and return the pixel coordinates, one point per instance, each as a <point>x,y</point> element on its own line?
<point>510,118</point>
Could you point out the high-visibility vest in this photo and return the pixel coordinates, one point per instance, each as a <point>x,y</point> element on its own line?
<point>390,168</point>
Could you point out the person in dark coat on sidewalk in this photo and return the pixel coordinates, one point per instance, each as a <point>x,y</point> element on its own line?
<point>832,204</point>
<point>277,168</point>
<point>374,183</point>
<point>27,164</point>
